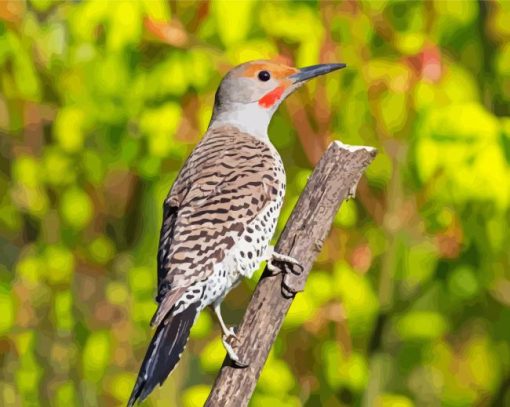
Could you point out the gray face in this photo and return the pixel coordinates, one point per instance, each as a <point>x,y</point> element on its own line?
<point>244,84</point>
<point>238,88</point>
<point>249,94</point>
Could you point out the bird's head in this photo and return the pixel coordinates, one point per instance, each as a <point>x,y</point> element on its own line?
<point>250,93</point>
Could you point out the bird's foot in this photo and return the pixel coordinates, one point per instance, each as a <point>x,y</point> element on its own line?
<point>289,261</point>
<point>231,352</point>
<point>291,269</point>
<point>227,332</point>
<point>231,333</point>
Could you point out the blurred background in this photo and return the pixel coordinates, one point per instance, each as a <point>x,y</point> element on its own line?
<point>102,101</point>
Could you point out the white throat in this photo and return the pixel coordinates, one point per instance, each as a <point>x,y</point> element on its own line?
<point>247,117</point>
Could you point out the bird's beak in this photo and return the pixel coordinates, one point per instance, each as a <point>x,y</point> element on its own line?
<point>310,72</point>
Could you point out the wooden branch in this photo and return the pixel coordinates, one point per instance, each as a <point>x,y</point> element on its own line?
<point>333,180</point>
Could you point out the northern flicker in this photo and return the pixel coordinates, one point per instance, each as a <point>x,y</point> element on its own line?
<point>221,212</point>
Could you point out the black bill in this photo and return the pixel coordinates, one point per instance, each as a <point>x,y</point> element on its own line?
<point>310,72</point>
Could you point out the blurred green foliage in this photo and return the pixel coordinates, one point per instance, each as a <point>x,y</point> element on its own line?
<point>100,103</point>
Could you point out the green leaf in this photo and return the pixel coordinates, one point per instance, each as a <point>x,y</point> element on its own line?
<point>418,264</point>
<point>30,268</point>
<point>394,113</point>
<point>343,370</point>
<point>462,282</point>
<point>96,355</point>
<point>93,166</point>
<point>63,311</point>
<point>394,400</point>
<point>69,129</point>
<point>356,293</point>
<point>195,396</point>
<point>7,310</point>
<point>301,310</point>
<point>458,149</point>
<point>158,10</point>
<point>27,171</point>
<point>380,170</point>
<point>212,355</point>
<point>159,125</point>
<point>233,19</point>
<point>121,385</point>
<point>66,395</point>
<point>58,167</point>
<point>117,293</point>
<point>142,279</point>
<point>202,326</point>
<point>275,368</point>
<point>102,250</point>
<point>319,287</point>
<point>421,325</point>
<point>347,216</point>
<point>76,208</point>
<point>125,24</point>
<point>25,75</point>
<point>59,262</point>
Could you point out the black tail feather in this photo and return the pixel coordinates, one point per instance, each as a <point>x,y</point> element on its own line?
<point>164,352</point>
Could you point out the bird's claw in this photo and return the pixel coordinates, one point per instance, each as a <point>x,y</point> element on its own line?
<point>231,333</point>
<point>281,263</point>
<point>292,271</point>
<point>231,352</point>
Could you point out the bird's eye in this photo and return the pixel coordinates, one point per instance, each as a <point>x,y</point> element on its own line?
<point>264,76</point>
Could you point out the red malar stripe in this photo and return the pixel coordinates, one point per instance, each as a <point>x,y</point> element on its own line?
<point>269,99</point>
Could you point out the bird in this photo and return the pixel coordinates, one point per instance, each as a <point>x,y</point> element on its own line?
<point>221,212</point>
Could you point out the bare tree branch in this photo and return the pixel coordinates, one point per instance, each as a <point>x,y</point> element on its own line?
<point>333,180</point>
